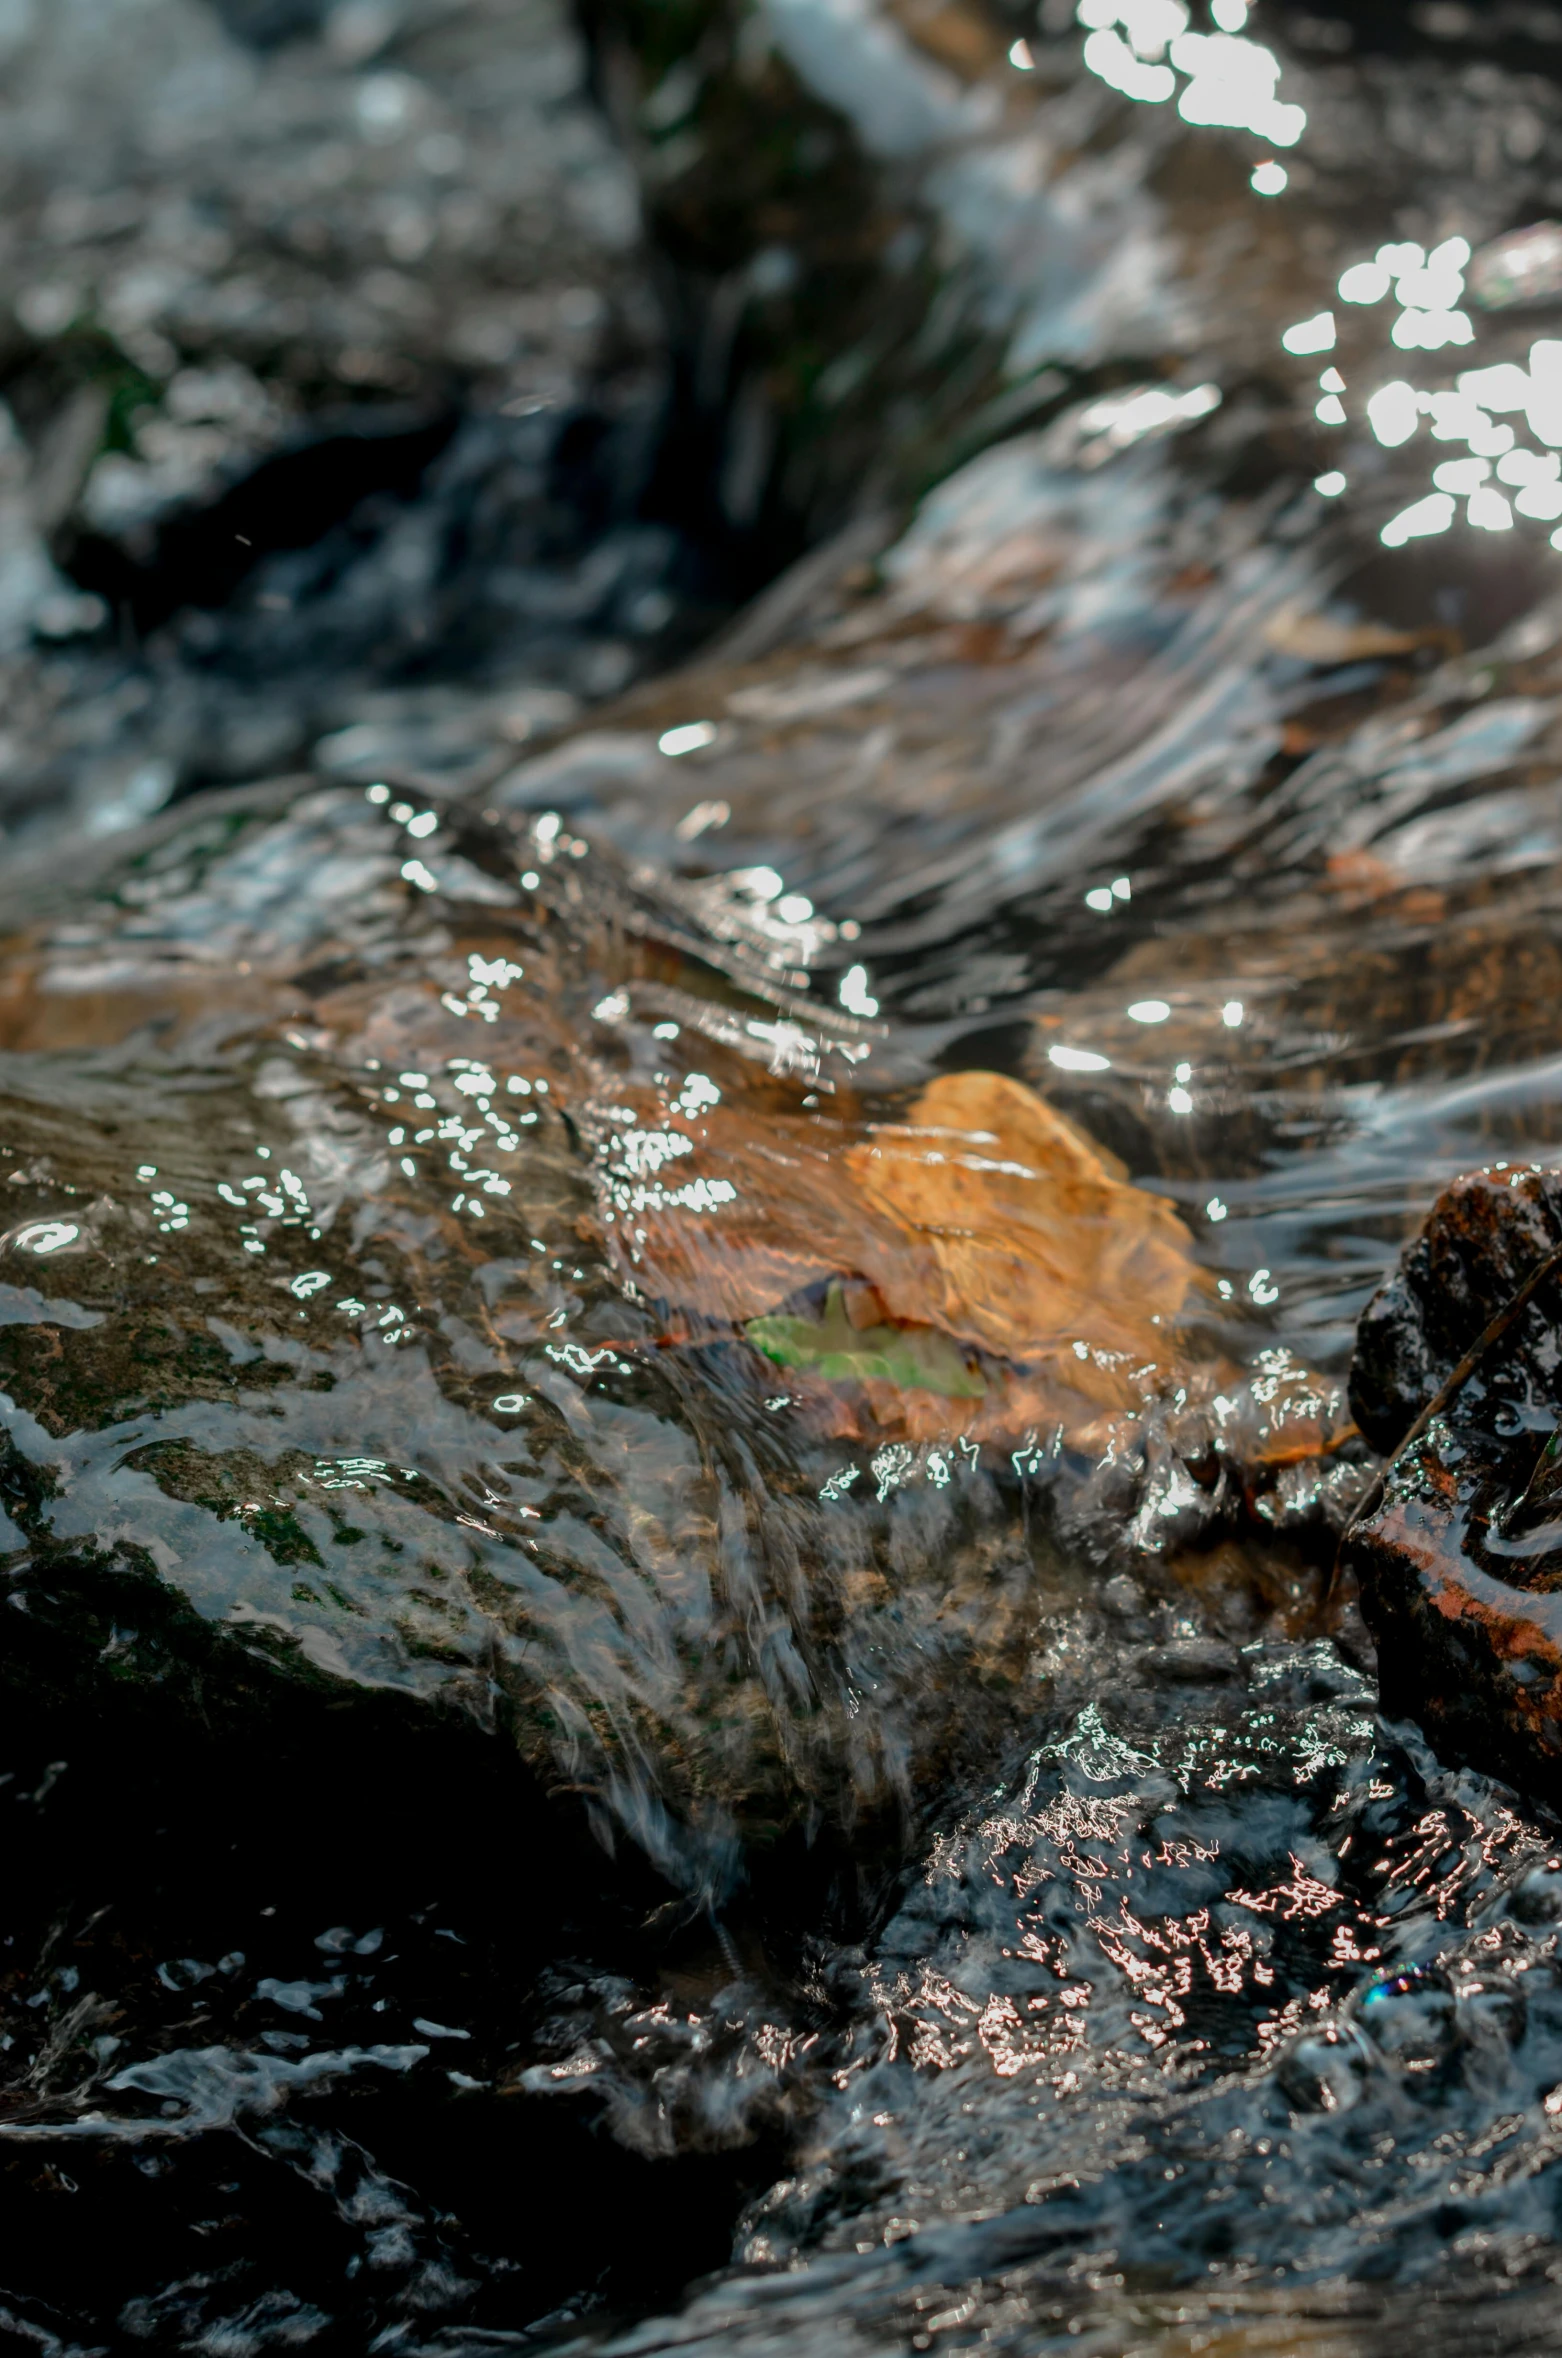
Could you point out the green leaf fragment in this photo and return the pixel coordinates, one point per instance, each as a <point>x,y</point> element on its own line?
<point>917,1358</point>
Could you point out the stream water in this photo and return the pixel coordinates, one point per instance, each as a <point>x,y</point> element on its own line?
<point>566,1784</point>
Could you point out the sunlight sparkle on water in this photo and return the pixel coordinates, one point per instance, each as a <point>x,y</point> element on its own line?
<point>1232,82</point>
<point>1365,282</point>
<point>1461,476</point>
<point>855,996</point>
<point>46,1236</point>
<point>1488,511</point>
<point>1311,335</point>
<point>1233,85</point>
<point>1269,179</point>
<point>1150,25</point>
<point>1426,517</point>
<point>1108,55</point>
<point>1125,418</point>
<point>1474,412</point>
<point>1428,288</point>
<point>1429,331</point>
<point>687,739</point>
<point>1394,413</point>
<point>1078,1060</point>
<point>1529,466</point>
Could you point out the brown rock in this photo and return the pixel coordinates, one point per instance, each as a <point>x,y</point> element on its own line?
<point>1459,1554</point>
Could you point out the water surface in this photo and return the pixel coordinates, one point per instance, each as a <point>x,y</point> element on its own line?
<point>547,1805</point>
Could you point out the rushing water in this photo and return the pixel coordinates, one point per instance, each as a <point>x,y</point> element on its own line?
<point>605,1743</point>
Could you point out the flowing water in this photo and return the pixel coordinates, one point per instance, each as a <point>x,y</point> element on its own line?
<point>606,1748</point>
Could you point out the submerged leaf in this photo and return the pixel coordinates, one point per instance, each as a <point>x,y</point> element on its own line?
<point>914,1358</point>
<point>982,1215</point>
<point>1040,1247</point>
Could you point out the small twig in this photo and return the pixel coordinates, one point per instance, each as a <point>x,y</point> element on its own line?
<point>1372,1497</point>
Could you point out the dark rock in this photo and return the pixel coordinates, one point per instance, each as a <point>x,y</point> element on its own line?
<point>1460,1559</point>
<point>1411,2017</point>
<point>288,1391</point>
<point>1326,2070</point>
<point>267,23</point>
<point>1483,1237</point>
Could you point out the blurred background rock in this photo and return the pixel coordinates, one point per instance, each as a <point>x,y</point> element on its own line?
<point>383,383</point>
<point>330,370</point>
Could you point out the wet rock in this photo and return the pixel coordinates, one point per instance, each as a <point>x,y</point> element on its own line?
<point>333,367</point>
<point>1537,1897</point>
<point>316,218</point>
<point>291,252</point>
<point>1411,2018</point>
<point>1458,1558</point>
<point>337,1136</point>
<point>344,1380</point>
<point>1326,2071</point>
<point>267,261</point>
<point>1482,1239</point>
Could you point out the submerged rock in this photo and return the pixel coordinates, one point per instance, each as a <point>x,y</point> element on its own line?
<point>376,1265</point>
<point>1457,1371</point>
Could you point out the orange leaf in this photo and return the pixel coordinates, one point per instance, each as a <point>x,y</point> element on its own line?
<point>1039,1245</point>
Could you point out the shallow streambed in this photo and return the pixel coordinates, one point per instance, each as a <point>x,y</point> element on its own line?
<point>672,1676</point>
